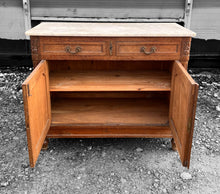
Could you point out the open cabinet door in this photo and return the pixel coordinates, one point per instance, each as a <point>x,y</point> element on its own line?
<point>37,109</point>
<point>184,91</point>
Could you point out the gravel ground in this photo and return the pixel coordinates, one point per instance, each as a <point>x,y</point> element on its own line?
<point>109,165</point>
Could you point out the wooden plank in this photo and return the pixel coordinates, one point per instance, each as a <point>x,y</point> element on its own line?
<point>110,81</point>
<point>37,109</point>
<point>182,110</point>
<point>109,132</point>
<point>110,112</point>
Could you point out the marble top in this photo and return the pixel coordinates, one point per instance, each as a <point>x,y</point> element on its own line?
<point>110,30</point>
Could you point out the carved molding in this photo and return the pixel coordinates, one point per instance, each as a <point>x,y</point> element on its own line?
<point>185,51</point>
<point>186,48</point>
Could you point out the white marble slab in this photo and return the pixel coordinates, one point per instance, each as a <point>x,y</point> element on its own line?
<point>110,30</point>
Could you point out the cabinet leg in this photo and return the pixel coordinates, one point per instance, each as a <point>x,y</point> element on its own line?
<point>173,145</point>
<point>45,145</point>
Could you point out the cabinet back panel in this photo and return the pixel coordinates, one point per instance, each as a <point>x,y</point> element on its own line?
<point>110,111</point>
<point>162,95</point>
<point>64,65</point>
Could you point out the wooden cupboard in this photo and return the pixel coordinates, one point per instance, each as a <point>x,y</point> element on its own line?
<point>108,84</point>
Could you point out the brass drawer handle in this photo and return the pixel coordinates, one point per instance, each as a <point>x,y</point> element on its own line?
<point>77,49</point>
<point>152,50</point>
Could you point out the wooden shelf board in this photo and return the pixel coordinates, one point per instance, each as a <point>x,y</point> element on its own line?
<point>109,132</point>
<point>91,112</point>
<point>110,81</point>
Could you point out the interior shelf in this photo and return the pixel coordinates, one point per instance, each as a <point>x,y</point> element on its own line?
<point>109,111</point>
<point>110,81</point>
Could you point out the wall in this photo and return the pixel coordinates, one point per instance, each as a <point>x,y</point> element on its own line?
<point>108,8</point>
<point>205,50</point>
<point>11,20</point>
<point>205,19</point>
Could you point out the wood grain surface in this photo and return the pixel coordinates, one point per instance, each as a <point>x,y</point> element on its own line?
<point>36,97</point>
<point>67,131</point>
<point>182,110</point>
<point>110,81</point>
<point>110,111</point>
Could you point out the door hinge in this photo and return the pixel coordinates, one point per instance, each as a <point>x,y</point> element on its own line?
<point>28,90</point>
<point>189,125</point>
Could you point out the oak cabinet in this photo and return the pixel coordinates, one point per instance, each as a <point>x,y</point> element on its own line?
<point>105,86</point>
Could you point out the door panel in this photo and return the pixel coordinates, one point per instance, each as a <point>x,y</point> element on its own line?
<point>37,109</point>
<point>184,91</point>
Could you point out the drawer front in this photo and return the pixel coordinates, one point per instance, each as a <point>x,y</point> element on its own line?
<point>147,49</point>
<point>74,48</point>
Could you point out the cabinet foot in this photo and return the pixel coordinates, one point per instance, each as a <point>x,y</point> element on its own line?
<point>173,145</point>
<point>45,145</point>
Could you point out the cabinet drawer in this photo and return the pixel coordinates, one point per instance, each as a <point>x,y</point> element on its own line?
<point>147,49</point>
<point>74,48</point>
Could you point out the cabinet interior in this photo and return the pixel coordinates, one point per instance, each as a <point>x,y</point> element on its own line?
<point>110,93</point>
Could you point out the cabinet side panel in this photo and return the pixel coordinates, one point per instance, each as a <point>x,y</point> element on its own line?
<point>185,51</point>
<point>35,50</point>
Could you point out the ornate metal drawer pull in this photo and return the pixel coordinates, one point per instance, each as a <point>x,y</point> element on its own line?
<point>152,50</point>
<point>77,49</point>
